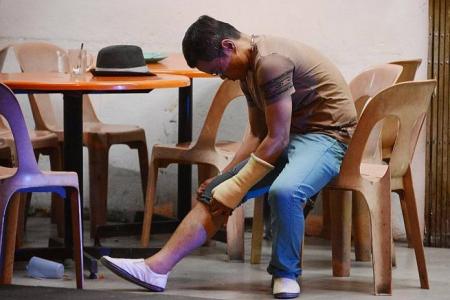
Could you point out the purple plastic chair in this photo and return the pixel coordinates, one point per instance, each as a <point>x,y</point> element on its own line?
<point>28,178</point>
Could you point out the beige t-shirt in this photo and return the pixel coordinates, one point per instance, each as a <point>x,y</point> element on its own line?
<point>321,99</point>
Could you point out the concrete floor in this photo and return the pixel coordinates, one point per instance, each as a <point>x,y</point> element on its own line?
<point>207,273</point>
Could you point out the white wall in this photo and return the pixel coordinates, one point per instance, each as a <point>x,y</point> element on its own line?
<point>353,33</point>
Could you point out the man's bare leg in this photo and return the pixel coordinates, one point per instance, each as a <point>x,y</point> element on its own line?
<point>198,226</point>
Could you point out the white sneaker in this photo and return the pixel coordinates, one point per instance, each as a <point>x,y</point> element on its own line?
<point>285,288</point>
<point>137,272</point>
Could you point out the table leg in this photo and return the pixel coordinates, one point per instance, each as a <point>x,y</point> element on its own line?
<point>73,150</point>
<point>184,135</point>
<point>73,161</point>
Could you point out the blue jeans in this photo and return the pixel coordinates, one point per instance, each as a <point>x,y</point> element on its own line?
<point>307,164</point>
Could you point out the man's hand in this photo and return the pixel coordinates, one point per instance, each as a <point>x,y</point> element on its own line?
<point>202,187</point>
<point>231,191</point>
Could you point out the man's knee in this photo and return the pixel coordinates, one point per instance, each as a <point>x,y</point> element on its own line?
<point>283,196</point>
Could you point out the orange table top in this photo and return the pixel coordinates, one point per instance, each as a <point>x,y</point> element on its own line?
<point>63,82</point>
<point>175,64</point>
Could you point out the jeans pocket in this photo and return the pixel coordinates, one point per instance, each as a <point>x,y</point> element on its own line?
<point>339,149</point>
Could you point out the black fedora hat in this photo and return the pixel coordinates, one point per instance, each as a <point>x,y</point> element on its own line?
<point>121,60</point>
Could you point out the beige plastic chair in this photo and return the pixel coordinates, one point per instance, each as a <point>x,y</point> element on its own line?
<point>367,174</point>
<point>360,215</point>
<point>364,86</point>
<point>44,143</point>
<point>210,156</point>
<point>98,137</point>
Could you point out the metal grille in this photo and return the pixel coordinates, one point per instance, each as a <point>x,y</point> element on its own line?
<point>437,192</point>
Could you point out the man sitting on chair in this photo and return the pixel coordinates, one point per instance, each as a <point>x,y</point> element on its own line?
<point>301,117</point>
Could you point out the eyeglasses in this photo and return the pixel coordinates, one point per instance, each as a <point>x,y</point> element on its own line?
<point>219,69</point>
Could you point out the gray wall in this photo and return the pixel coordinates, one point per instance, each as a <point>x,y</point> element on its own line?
<point>353,33</point>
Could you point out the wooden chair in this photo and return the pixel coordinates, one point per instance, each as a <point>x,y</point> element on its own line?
<point>360,215</point>
<point>28,178</point>
<point>44,143</point>
<point>364,172</point>
<point>98,137</point>
<point>210,157</point>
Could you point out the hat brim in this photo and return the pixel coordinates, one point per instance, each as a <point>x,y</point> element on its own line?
<point>120,73</point>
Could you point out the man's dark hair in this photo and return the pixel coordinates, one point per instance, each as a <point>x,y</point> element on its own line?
<point>203,38</point>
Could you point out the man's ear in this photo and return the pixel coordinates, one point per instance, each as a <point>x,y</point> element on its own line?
<point>228,44</point>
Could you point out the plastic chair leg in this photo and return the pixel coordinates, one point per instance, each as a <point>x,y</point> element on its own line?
<point>24,203</point>
<point>235,234</point>
<point>415,232</point>
<point>149,203</point>
<point>98,184</point>
<point>341,228</point>
<point>379,203</point>
<point>326,214</point>
<point>73,197</point>
<point>405,217</point>
<point>12,214</point>
<point>143,165</point>
<point>361,228</point>
<point>57,208</point>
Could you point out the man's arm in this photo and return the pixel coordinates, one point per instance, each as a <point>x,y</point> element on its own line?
<point>254,134</point>
<point>275,81</point>
<point>229,193</point>
<point>278,120</point>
